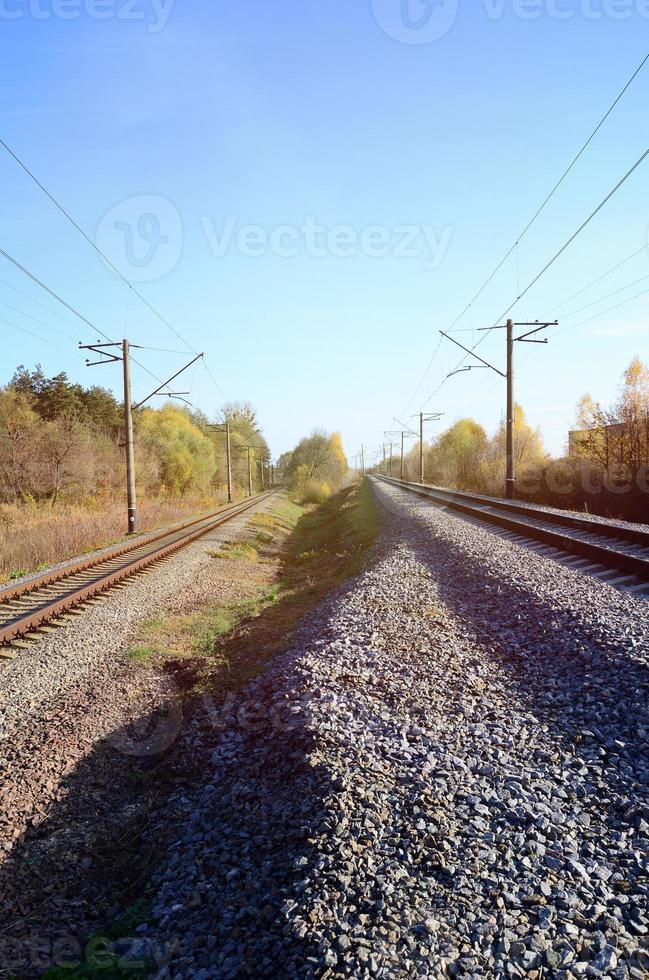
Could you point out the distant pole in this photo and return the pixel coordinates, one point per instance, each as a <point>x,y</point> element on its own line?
<point>421,447</point>
<point>510,480</point>
<point>228,450</point>
<point>362,459</point>
<point>402,455</point>
<point>130,453</point>
<point>249,473</point>
<point>261,468</point>
<point>384,457</point>
<point>390,459</point>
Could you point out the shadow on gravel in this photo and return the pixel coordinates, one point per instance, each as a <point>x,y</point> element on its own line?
<point>228,832</point>
<point>579,677</point>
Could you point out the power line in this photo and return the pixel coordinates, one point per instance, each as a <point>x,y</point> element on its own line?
<point>56,296</point>
<point>595,316</point>
<point>15,309</point>
<point>538,212</point>
<point>94,245</point>
<point>599,278</point>
<point>601,299</point>
<point>30,333</point>
<point>215,382</point>
<point>554,258</point>
<point>572,238</point>
<point>31,299</point>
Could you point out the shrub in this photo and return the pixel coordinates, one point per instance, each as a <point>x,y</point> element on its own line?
<point>316,492</point>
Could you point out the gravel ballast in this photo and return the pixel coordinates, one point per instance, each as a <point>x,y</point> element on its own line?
<point>447,775</point>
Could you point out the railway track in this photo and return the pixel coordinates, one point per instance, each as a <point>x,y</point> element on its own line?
<point>614,553</point>
<point>33,604</point>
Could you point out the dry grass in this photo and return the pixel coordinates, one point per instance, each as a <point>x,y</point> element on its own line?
<point>33,537</point>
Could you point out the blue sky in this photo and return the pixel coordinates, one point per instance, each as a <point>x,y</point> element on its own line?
<point>258,170</point>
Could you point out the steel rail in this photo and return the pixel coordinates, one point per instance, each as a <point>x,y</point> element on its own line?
<point>30,613</point>
<point>600,554</point>
<point>633,535</point>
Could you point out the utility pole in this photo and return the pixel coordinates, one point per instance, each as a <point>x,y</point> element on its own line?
<point>261,470</point>
<point>130,451</point>
<point>404,432</point>
<point>107,356</point>
<point>362,459</point>
<point>537,325</point>
<point>510,478</point>
<point>433,417</point>
<point>228,452</point>
<point>225,427</point>
<point>248,448</point>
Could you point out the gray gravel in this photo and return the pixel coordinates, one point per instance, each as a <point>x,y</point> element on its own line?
<point>448,775</point>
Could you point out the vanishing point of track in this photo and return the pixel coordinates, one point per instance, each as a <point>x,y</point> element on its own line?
<point>32,604</point>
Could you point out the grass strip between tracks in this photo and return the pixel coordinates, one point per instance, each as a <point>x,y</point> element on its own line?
<point>299,555</point>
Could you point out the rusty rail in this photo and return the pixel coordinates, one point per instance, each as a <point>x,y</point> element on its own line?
<point>42,608</point>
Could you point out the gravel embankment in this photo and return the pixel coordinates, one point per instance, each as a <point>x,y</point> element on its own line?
<point>447,776</point>
<point>69,745</point>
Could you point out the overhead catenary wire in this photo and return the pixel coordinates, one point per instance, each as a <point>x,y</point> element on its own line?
<point>551,262</point>
<point>601,299</point>
<point>56,296</point>
<point>111,264</point>
<point>43,340</point>
<point>534,218</point>
<point>48,309</point>
<point>15,309</point>
<point>594,282</point>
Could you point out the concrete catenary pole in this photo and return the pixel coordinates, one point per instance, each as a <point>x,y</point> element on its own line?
<point>130,452</point>
<point>510,480</point>
<point>228,451</point>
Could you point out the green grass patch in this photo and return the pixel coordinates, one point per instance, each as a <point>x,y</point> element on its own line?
<point>239,550</point>
<point>140,653</point>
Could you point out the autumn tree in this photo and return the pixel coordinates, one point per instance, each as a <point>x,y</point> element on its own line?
<point>458,455</point>
<point>316,467</point>
<point>617,435</point>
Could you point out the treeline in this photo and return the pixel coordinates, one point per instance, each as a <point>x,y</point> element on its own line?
<point>605,469</point>
<point>464,456</point>
<point>61,442</point>
<point>315,469</point>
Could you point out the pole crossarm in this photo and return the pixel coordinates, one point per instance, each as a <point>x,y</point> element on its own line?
<point>107,357</point>
<point>406,428</point>
<point>537,326</point>
<point>472,354</point>
<point>168,381</point>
